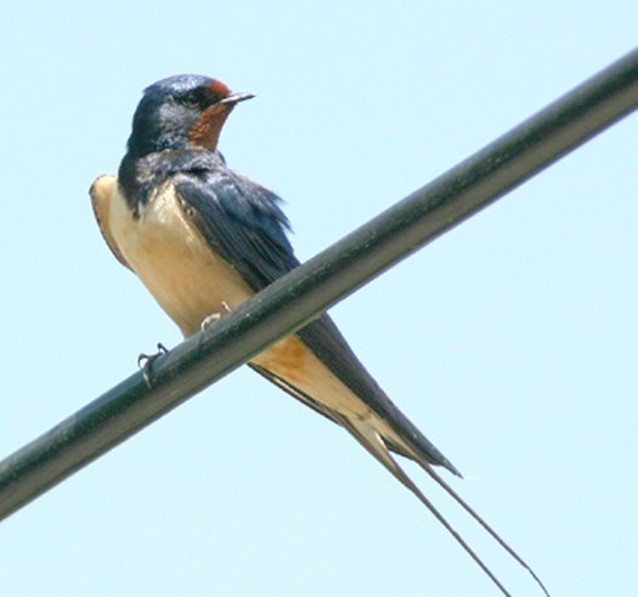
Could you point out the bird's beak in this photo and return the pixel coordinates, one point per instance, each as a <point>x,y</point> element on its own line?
<point>235,98</point>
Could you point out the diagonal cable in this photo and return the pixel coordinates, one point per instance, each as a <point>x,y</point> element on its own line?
<point>293,300</point>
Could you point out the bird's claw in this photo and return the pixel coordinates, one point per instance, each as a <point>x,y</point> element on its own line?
<point>215,317</point>
<point>145,363</point>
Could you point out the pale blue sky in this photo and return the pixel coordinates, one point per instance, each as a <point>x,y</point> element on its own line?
<point>511,342</point>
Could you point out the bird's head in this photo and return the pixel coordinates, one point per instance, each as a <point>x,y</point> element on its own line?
<point>180,112</point>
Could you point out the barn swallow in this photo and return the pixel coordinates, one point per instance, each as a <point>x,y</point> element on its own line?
<point>203,239</point>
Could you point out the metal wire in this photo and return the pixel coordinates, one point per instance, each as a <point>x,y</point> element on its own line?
<point>295,299</point>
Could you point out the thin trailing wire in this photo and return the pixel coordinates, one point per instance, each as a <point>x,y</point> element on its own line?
<point>292,301</point>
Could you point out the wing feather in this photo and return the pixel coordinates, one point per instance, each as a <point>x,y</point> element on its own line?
<point>101,192</point>
<point>243,223</point>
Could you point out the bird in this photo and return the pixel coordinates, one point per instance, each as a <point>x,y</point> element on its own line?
<point>203,239</point>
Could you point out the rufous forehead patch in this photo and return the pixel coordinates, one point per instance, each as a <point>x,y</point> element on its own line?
<point>219,88</point>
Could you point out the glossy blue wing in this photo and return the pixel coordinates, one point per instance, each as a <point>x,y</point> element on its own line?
<point>243,223</point>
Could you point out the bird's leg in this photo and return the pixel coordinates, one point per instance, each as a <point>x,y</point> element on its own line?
<point>215,317</point>
<point>145,362</point>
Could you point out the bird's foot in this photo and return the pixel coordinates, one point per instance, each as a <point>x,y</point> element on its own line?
<point>145,363</point>
<point>215,317</point>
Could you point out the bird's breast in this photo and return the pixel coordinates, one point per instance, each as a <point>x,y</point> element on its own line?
<point>173,260</point>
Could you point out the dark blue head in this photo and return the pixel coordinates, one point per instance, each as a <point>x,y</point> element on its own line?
<point>179,112</point>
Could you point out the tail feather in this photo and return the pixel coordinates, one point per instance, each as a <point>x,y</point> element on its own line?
<point>374,444</point>
<point>379,447</point>
<point>477,517</point>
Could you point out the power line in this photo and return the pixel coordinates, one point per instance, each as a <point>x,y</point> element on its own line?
<point>295,299</point>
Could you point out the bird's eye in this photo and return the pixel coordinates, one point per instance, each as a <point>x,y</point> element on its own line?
<point>192,98</point>
<point>201,98</point>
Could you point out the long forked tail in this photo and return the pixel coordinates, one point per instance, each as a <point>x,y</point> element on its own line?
<point>461,502</point>
<point>375,445</point>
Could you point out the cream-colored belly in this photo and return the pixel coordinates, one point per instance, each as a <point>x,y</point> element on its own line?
<point>174,262</point>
